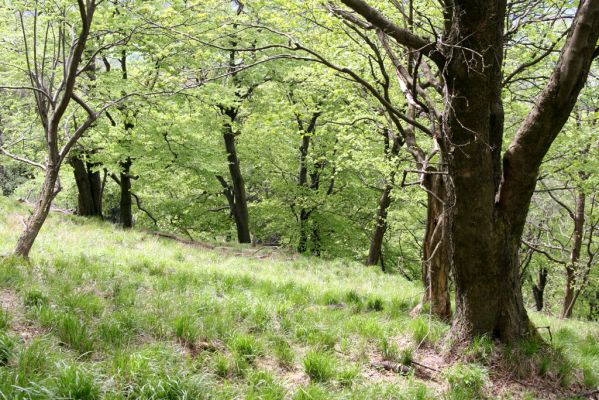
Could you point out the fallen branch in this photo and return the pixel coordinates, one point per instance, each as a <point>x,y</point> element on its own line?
<point>391,366</point>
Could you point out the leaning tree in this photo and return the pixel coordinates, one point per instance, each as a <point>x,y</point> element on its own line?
<point>47,58</point>
<point>489,192</point>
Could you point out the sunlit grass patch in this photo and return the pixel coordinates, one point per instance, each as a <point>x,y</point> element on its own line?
<point>151,318</point>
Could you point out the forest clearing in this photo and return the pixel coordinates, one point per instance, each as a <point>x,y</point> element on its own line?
<point>299,199</point>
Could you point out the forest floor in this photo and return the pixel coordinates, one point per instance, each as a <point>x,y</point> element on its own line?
<point>112,314</point>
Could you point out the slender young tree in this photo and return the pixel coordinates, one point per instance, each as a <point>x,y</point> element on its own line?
<point>52,98</point>
<point>54,49</point>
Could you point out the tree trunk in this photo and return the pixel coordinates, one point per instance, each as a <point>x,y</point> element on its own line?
<point>380,227</point>
<point>483,250</point>
<point>239,205</point>
<point>435,251</point>
<point>89,188</point>
<point>126,203</point>
<point>302,182</point>
<point>538,289</point>
<point>571,268</point>
<point>302,244</point>
<point>35,221</point>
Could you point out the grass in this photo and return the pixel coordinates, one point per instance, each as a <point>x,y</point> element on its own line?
<point>123,315</point>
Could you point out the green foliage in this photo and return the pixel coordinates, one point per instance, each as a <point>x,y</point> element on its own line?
<point>284,353</point>
<point>264,386</point>
<point>4,319</point>
<point>245,347</point>
<point>6,348</point>
<point>389,350</point>
<point>320,367</point>
<point>75,383</point>
<point>480,349</point>
<point>186,329</point>
<point>466,381</point>
<point>74,332</point>
<point>35,298</point>
<point>263,326</point>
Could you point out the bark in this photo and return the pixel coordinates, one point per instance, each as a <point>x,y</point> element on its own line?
<point>304,213</point>
<point>380,227</point>
<point>571,267</point>
<point>238,205</point>
<point>302,244</point>
<point>126,203</point>
<point>34,224</point>
<point>89,187</point>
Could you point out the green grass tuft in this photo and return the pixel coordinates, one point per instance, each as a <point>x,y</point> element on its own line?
<point>320,367</point>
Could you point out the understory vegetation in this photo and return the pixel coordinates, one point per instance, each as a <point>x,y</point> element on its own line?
<point>106,313</point>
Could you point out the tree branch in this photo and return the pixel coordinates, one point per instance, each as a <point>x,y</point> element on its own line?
<point>553,106</point>
<point>401,35</point>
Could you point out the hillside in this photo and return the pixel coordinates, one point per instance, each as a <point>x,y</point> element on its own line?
<point>107,313</point>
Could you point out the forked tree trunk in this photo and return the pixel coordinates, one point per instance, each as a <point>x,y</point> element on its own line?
<point>483,249</point>
<point>488,203</point>
<point>571,267</point>
<point>488,196</point>
<point>89,188</point>
<point>35,221</point>
<point>380,227</point>
<point>239,207</point>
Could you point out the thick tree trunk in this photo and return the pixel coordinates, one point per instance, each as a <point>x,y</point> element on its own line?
<point>89,188</point>
<point>483,249</point>
<point>380,227</point>
<point>488,196</point>
<point>538,289</point>
<point>126,203</point>
<point>571,268</point>
<point>239,205</point>
<point>34,224</point>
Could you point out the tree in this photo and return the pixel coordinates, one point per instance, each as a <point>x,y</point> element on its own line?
<point>52,98</point>
<point>489,195</point>
<point>89,185</point>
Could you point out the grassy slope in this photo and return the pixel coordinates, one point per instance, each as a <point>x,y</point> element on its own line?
<point>104,313</point>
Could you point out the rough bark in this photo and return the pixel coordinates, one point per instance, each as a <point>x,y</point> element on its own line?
<point>89,187</point>
<point>571,267</point>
